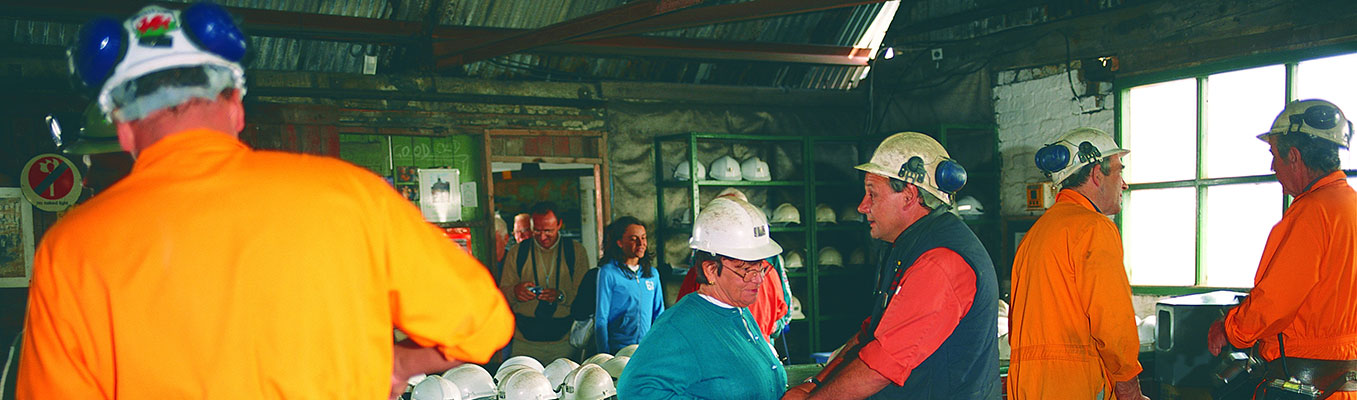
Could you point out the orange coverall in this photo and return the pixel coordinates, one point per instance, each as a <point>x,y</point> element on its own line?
<point>213,271</point>
<point>1073,330</point>
<point>1306,284</point>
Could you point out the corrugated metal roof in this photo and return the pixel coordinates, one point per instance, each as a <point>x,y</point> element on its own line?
<point>838,27</point>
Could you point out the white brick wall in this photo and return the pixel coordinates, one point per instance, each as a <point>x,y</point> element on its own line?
<point>1033,107</point>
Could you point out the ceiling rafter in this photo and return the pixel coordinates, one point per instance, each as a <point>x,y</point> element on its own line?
<point>300,25</point>
<point>458,53</point>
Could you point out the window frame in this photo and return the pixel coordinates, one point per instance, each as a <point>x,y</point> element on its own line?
<point>1290,60</point>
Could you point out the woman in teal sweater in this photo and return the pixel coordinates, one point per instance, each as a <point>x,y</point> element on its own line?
<point>708,346</point>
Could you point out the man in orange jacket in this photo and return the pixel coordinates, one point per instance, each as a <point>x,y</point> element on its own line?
<point>217,271</point>
<point>1305,290</point>
<point>1073,329</point>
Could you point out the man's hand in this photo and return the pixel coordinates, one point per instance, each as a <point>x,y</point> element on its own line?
<point>549,295</point>
<point>799,392</point>
<point>1215,337</point>
<point>522,293</point>
<point>1129,390</point>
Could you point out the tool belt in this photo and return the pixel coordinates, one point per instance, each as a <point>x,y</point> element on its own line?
<point>1318,373</point>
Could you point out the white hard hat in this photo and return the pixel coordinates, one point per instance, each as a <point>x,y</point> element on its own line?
<point>528,385</point>
<point>1073,151</point>
<point>502,376</point>
<point>733,228</point>
<point>615,365</point>
<point>792,260</point>
<point>1314,117</point>
<point>970,206</point>
<point>627,351</point>
<point>473,381</point>
<point>796,312</point>
<point>824,214</point>
<point>850,213</point>
<point>830,257</point>
<point>755,169</point>
<point>676,251</point>
<point>434,387</point>
<point>598,359</point>
<point>682,171</point>
<point>557,370</point>
<point>725,169</point>
<point>108,54</point>
<point>786,213</point>
<point>858,256</point>
<point>588,382</point>
<point>919,160</point>
<point>682,216</point>
<point>730,191</point>
<point>522,360</point>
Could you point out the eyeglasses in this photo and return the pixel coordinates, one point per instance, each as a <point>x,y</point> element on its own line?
<point>749,274</point>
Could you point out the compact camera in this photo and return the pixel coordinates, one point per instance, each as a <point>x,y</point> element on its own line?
<point>535,290</point>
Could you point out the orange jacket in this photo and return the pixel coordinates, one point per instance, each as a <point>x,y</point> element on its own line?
<point>213,271</point>
<point>1073,330</point>
<point>1306,284</point>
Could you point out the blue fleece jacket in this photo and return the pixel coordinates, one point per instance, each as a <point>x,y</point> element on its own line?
<point>699,350</point>
<point>627,305</point>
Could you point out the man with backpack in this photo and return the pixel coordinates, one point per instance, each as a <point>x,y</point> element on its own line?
<point>540,279</point>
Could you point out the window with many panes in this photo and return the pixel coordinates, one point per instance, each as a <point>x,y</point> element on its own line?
<point>1202,195</point>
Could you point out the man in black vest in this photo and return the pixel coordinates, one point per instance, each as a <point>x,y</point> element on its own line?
<point>540,279</point>
<point>932,333</point>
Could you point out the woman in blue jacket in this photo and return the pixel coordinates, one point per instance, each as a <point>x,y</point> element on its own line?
<point>629,294</point>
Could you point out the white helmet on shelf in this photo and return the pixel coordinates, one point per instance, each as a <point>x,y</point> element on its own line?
<point>557,370</point>
<point>786,213</point>
<point>792,260</point>
<point>730,191</point>
<point>615,365</point>
<point>849,213</point>
<point>588,382</point>
<point>627,351</point>
<point>502,376</point>
<point>755,169</point>
<point>725,169</point>
<point>1073,151</point>
<point>796,312</point>
<point>473,381</point>
<point>825,214</point>
<point>1314,117</point>
<point>969,206</point>
<point>830,257</point>
<point>682,171</point>
<point>733,228</point>
<point>917,159</point>
<point>597,359</point>
<point>434,387</point>
<point>522,360</point>
<point>528,385</point>
<point>858,256</point>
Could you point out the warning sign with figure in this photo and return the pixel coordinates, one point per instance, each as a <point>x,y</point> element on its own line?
<point>51,182</point>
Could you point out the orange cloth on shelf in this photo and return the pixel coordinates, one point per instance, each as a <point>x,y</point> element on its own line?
<point>1073,331</point>
<point>1306,284</point>
<point>214,271</point>
<point>767,310</point>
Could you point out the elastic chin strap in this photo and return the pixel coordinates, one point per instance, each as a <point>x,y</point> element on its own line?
<point>131,105</point>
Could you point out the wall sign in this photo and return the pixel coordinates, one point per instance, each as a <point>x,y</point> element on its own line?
<point>51,182</point>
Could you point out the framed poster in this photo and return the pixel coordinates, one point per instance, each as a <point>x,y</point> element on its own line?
<point>440,194</point>
<point>16,239</point>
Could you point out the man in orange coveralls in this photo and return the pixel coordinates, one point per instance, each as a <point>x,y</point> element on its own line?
<point>217,271</point>
<point>1305,289</point>
<point>1073,330</point>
